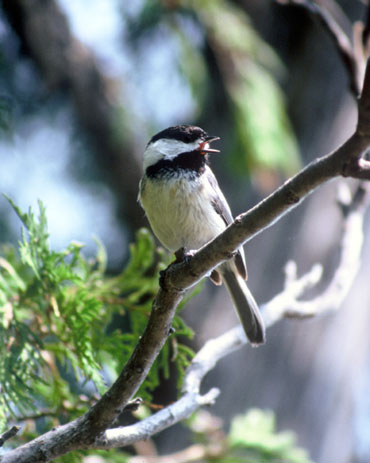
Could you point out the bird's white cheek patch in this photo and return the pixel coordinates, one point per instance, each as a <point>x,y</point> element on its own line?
<point>166,149</point>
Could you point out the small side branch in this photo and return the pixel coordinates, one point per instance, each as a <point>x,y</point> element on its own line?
<point>191,399</point>
<point>341,41</point>
<point>288,304</point>
<point>8,434</point>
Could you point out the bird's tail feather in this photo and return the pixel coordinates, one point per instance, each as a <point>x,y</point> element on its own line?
<point>245,305</point>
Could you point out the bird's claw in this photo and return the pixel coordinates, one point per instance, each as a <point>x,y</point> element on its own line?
<point>182,255</point>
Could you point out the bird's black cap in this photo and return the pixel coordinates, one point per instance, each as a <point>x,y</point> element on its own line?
<point>184,133</point>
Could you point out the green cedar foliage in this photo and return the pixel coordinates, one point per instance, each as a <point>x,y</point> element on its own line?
<point>252,438</point>
<point>67,329</point>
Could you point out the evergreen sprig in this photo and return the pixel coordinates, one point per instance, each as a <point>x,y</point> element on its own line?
<point>252,438</point>
<point>67,328</point>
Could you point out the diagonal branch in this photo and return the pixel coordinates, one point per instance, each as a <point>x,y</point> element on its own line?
<point>179,277</point>
<point>91,430</point>
<point>285,304</point>
<point>84,431</point>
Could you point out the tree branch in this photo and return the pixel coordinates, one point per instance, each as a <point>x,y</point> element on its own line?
<point>365,33</point>
<point>8,434</point>
<point>286,304</point>
<point>91,430</point>
<point>341,41</point>
<point>191,399</point>
<point>85,431</point>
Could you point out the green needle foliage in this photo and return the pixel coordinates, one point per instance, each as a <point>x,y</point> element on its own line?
<point>67,328</point>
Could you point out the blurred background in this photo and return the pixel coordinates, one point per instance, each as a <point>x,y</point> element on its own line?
<point>83,87</point>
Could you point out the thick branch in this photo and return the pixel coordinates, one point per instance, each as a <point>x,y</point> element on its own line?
<point>191,399</point>
<point>286,304</point>
<point>90,430</point>
<point>271,209</point>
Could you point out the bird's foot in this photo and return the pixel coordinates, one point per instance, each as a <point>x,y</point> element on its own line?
<point>182,255</point>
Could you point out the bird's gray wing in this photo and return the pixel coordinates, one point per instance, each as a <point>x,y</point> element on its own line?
<point>222,208</point>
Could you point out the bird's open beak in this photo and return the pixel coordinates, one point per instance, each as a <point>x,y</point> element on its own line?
<point>204,147</point>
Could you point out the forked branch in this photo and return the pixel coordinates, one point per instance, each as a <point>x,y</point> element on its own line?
<point>92,429</point>
<point>285,304</point>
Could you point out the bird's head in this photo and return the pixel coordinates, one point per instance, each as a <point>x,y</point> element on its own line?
<point>175,141</point>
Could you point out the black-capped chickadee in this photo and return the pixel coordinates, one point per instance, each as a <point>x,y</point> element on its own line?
<point>186,209</point>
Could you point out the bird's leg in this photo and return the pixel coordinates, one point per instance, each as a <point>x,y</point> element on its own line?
<point>183,255</point>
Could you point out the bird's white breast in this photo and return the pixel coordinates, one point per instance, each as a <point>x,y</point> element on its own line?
<point>180,211</point>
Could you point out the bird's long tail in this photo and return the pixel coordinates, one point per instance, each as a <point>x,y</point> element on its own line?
<point>245,305</point>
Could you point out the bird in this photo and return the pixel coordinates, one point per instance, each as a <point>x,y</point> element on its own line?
<point>186,209</point>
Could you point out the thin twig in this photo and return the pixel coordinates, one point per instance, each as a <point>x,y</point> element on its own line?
<point>366,29</point>
<point>287,304</point>
<point>340,38</point>
<point>9,434</point>
<point>35,416</point>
